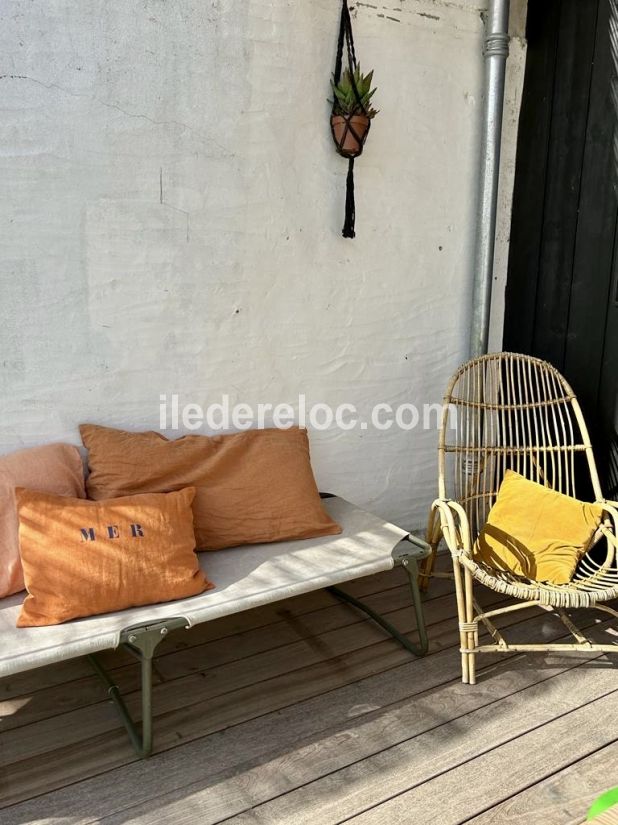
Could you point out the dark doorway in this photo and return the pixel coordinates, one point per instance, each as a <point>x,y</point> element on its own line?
<point>562,287</point>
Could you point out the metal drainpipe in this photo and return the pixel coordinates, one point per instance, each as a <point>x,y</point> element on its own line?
<point>496,52</point>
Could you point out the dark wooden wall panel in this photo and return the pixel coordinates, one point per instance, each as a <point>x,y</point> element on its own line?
<point>573,69</point>
<point>529,185</point>
<point>562,264</point>
<point>595,232</point>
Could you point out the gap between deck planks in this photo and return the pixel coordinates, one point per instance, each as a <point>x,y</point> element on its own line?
<point>147,780</point>
<point>237,625</point>
<point>302,718</point>
<point>485,781</point>
<point>190,653</point>
<point>562,797</point>
<point>297,619</point>
<point>192,673</point>
<point>197,708</point>
<point>381,752</point>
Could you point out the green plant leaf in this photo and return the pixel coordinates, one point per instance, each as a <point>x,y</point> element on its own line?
<point>353,87</point>
<point>603,803</point>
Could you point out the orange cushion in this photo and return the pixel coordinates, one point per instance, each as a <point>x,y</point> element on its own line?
<point>82,558</point>
<point>251,487</point>
<point>53,468</point>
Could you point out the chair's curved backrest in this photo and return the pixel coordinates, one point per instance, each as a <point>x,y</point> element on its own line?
<point>507,411</point>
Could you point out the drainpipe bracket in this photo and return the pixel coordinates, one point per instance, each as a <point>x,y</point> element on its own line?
<point>497,45</point>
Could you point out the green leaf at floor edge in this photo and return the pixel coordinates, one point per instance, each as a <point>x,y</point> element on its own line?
<point>602,803</point>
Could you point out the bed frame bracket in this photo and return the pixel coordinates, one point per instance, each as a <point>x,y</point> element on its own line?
<point>141,641</point>
<point>406,554</point>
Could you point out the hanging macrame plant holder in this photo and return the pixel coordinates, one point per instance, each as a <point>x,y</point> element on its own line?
<point>349,129</point>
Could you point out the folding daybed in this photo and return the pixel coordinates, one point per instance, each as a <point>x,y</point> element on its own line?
<point>245,577</point>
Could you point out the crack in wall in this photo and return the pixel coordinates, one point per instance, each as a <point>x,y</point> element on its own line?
<point>138,115</point>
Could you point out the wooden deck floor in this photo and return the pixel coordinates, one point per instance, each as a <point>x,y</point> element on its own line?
<point>303,713</point>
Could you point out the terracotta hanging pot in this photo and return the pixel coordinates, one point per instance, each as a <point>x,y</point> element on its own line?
<point>349,133</point>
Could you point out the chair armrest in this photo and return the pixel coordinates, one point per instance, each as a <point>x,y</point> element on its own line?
<point>611,508</point>
<point>455,526</point>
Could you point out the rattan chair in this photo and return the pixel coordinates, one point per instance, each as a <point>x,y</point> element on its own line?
<point>505,411</point>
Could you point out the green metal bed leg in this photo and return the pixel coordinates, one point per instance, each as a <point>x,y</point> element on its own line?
<point>142,742</point>
<point>142,642</point>
<point>410,566</point>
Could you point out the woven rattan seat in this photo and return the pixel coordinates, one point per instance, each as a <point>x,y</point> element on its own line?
<point>507,411</point>
<point>597,585</point>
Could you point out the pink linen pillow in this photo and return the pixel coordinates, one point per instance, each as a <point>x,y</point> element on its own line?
<point>52,468</point>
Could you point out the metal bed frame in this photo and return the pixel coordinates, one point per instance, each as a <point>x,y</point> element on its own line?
<point>142,641</point>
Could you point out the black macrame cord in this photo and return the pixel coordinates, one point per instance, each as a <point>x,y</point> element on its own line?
<point>347,38</point>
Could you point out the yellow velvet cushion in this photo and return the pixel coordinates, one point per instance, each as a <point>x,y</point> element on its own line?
<point>535,532</point>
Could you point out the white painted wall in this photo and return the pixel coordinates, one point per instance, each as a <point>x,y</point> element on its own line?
<point>171,215</point>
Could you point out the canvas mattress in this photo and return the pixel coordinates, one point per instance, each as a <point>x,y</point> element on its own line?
<point>245,577</point>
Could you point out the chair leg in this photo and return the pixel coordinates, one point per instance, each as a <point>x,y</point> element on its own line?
<point>472,631</point>
<point>461,615</point>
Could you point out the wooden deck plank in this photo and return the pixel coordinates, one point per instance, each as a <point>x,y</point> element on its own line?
<point>486,781</point>
<point>439,731</point>
<point>416,734</point>
<point>200,707</point>
<point>561,799</point>
<point>353,700</point>
<point>197,686</point>
<point>35,680</point>
<point>89,741</point>
<point>304,713</point>
<point>188,652</point>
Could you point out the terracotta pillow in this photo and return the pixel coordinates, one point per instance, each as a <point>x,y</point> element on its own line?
<point>251,487</point>
<point>82,558</point>
<point>53,468</point>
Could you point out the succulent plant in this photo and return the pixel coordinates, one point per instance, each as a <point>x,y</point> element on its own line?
<point>346,101</point>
